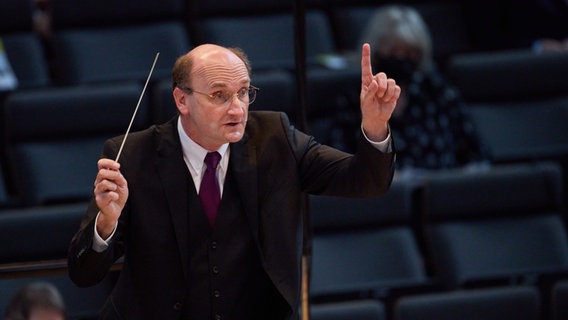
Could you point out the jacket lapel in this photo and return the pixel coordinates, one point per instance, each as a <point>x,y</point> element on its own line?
<point>243,165</point>
<point>175,179</point>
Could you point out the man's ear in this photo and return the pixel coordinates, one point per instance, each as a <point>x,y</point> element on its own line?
<point>180,99</point>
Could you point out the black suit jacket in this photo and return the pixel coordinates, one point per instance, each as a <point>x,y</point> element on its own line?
<point>273,165</point>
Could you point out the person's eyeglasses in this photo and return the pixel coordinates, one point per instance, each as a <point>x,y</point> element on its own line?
<point>221,97</point>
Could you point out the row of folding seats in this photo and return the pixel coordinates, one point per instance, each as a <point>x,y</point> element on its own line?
<point>518,103</point>
<point>522,302</point>
<point>513,302</point>
<point>500,227</point>
<point>518,96</point>
<point>51,137</point>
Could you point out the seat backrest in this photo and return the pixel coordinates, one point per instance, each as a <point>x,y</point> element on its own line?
<point>513,75</point>
<point>54,141</point>
<point>519,131</point>
<point>502,224</point>
<point>277,91</point>
<point>119,53</point>
<point>96,41</point>
<point>27,59</point>
<point>268,38</point>
<point>349,310</point>
<point>93,13</point>
<point>364,245</point>
<point>38,233</point>
<point>199,9</point>
<point>519,303</point>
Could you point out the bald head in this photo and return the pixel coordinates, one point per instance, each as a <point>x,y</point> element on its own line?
<point>207,55</point>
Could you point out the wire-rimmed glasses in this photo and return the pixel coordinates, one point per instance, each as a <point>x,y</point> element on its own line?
<point>221,97</point>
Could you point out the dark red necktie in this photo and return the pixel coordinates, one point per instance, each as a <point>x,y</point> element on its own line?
<point>209,192</point>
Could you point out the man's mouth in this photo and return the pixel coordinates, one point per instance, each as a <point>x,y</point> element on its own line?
<point>233,123</point>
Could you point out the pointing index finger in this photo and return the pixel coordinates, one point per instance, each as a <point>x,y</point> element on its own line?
<point>366,70</point>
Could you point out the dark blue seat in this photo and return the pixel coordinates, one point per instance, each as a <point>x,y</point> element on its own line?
<point>54,161</point>
<point>519,303</point>
<point>509,76</point>
<point>116,40</point>
<point>268,38</point>
<point>530,130</point>
<point>38,233</point>
<point>499,226</point>
<point>365,247</point>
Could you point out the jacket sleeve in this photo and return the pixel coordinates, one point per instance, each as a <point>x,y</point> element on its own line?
<point>86,266</point>
<point>328,171</point>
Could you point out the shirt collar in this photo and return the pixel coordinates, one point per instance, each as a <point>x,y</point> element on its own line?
<point>194,154</point>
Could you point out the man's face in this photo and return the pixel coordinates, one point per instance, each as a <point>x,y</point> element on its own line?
<point>210,124</point>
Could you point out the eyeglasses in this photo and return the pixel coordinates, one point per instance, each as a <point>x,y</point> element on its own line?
<point>220,98</point>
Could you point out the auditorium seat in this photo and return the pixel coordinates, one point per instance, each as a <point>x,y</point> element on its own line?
<point>38,233</point>
<point>26,56</point>
<point>349,310</point>
<point>34,247</point>
<point>96,41</point>
<point>509,76</point>
<point>519,303</point>
<point>55,137</point>
<point>267,37</point>
<point>495,227</point>
<point>530,130</point>
<point>365,247</point>
<point>277,92</point>
<point>518,101</point>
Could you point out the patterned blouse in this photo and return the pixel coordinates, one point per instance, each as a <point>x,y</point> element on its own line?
<point>434,130</point>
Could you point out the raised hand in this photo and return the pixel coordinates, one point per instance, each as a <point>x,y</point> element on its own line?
<point>111,193</point>
<point>379,95</point>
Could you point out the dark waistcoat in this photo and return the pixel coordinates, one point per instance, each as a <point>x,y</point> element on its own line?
<point>226,278</point>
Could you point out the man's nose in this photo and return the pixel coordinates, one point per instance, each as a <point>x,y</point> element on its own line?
<point>236,105</point>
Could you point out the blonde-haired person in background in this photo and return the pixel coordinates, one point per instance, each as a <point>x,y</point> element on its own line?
<point>431,125</point>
